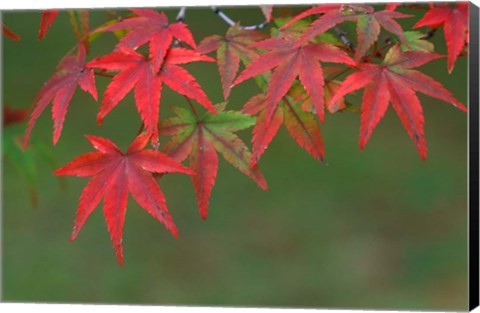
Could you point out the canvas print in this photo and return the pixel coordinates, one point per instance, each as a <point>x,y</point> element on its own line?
<point>253,156</point>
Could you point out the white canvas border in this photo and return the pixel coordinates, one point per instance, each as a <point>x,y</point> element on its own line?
<point>81,308</point>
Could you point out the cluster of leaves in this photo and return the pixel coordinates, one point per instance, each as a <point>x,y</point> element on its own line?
<point>292,66</point>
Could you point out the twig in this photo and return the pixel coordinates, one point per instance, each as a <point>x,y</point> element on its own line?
<point>343,37</point>
<point>231,22</point>
<point>181,14</point>
<point>429,34</point>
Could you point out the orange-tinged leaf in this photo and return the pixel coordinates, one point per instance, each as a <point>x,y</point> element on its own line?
<point>304,129</point>
<point>301,126</point>
<point>201,138</point>
<point>230,50</point>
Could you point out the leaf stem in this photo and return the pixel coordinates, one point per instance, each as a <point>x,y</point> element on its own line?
<point>376,52</point>
<point>191,106</point>
<point>338,74</point>
<point>103,74</point>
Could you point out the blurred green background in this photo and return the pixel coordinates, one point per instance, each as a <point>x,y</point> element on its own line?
<point>374,229</point>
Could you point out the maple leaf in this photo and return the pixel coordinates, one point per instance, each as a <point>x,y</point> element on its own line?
<point>395,81</point>
<point>368,23</point>
<point>391,6</point>
<point>289,62</point>
<point>333,9</point>
<point>59,90</point>
<point>331,15</point>
<point>330,88</point>
<point>115,175</point>
<point>137,72</point>
<point>368,29</point>
<point>7,32</point>
<point>301,126</point>
<point>454,20</point>
<point>230,49</point>
<point>416,41</point>
<point>267,11</point>
<point>152,27</point>
<point>13,116</point>
<point>48,16</point>
<point>201,138</point>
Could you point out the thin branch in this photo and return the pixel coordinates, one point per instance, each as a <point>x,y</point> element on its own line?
<point>343,37</point>
<point>231,22</point>
<point>180,18</point>
<point>429,34</point>
<point>181,14</point>
<point>338,74</point>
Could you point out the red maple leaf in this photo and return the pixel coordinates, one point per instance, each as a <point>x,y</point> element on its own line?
<point>368,21</point>
<point>290,61</point>
<point>230,49</point>
<point>395,81</point>
<point>201,138</point>
<point>48,17</point>
<point>335,10</point>
<point>59,89</point>
<point>331,15</point>
<point>115,174</point>
<point>391,6</point>
<point>7,32</point>
<point>331,87</point>
<point>368,29</point>
<point>454,20</point>
<point>137,72</point>
<point>301,126</point>
<point>152,27</point>
<point>13,116</point>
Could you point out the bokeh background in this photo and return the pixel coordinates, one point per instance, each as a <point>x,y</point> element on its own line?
<point>374,229</point>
